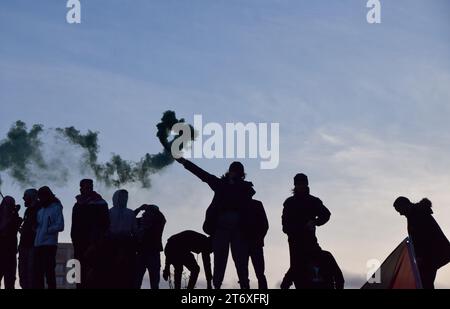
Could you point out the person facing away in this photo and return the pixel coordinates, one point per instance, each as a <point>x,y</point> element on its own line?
<point>9,227</point>
<point>431,246</point>
<point>321,272</point>
<point>27,236</point>
<point>256,229</point>
<point>149,240</point>
<point>178,253</point>
<point>90,223</point>
<point>122,232</point>
<point>302,212</point>
<point>50,222</point>
<point>225,219</point>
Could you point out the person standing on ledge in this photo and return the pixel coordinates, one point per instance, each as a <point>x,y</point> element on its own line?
<point>226,219</point>
<point>302,212</point>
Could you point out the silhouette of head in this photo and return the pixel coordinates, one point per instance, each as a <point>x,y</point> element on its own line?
<point>150,209</point>
<point>86,186</point>
<point>120,199</point>
<point>9,202</point>
<point>45,196</point>
<point>301,183</point>
<point>236,170</point>
<point>402,205</point>
<point>30,197</point>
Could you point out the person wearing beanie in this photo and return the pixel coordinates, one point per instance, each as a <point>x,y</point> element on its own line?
<point>302,213</point>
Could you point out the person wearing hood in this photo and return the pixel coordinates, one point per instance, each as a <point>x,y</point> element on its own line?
<point>225,219</point>
<point>90,224</point>
<point>50,222</point>
<point>27,236</point>
<point>149,241</point>
<point>122,232</point>
<point>302,213</point>
<point>431,246</point>
<point>9,227</point>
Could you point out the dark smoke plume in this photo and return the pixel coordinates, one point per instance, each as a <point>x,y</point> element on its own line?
<point>22,149</point>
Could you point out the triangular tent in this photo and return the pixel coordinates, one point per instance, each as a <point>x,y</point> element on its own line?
<point>398,271</point>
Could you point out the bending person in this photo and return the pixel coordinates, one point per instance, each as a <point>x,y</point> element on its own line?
<point>178,253</point>
<point>431,247</point>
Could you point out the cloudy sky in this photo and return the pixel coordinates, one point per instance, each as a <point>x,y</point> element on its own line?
<point>363,109</point>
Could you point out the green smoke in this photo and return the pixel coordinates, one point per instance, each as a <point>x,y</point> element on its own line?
<point>22,148</point>
<point>19,150</point>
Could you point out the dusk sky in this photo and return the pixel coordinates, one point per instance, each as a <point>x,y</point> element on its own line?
<point>363,108</point>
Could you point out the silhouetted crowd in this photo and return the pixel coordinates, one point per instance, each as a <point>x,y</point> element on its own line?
<point>117,246</point>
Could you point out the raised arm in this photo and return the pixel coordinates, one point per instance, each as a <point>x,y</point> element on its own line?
<point>204,176</point>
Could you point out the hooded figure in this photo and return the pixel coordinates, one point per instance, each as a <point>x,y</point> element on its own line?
<point>122,230</point>
<point>27,236</point>
<point>50,222</point>
<point>9,226</point>
<point>90,224</point>
<point>122,220</point>
<point>431,246</point>
<point>225,219</point>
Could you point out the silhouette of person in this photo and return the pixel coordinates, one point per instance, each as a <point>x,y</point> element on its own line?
<point>90,223</point>
<point>50,221</point>
<point>178,253</point>
<point>225,219</point>
<point>27,236</point>
<point>302,212</point>
<point>431,246</point>
<point>321,272</point>
<point>256,229</point>
<point>9,227</point>
<point>123,228</point>
<point>149,236</point>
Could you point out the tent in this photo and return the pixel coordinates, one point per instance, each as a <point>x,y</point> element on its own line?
<point>398,271</point>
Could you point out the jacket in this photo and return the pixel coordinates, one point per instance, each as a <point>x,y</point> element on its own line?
<point>50,221</point>
<point>90,220</point>
<point>227,197</point>
<point>300,209</point>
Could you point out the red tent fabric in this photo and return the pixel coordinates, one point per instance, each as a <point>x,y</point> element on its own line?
<point>399,270</point>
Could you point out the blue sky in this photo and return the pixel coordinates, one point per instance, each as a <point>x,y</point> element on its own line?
<point>363,109</point>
